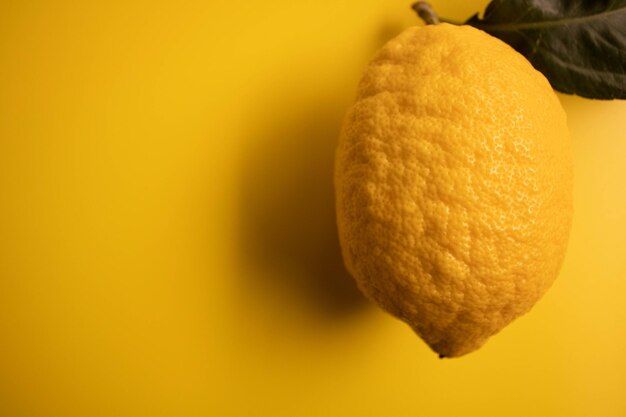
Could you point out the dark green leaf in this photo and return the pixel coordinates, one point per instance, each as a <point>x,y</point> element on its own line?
<point>579,45</point>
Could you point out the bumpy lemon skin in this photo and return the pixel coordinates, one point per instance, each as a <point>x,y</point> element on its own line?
<point>453,181</point>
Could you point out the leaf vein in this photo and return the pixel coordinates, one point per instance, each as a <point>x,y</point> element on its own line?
<point>511,27</point>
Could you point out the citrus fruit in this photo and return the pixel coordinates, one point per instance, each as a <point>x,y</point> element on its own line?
<point>453,179</point>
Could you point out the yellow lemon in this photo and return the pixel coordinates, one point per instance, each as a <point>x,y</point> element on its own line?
<point>454,185</point>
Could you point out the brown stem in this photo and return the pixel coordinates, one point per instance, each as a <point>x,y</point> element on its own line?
<point>425,11</point>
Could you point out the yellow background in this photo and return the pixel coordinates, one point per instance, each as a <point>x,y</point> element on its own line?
<point>167,237</point>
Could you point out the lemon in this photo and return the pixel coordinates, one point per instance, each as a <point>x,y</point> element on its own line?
<point>453,179</point>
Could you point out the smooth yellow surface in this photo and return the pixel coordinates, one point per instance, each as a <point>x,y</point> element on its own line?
<point>167,238</point>
<point>454,181</point>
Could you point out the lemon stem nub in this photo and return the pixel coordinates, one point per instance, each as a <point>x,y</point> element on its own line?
<point>426,12</point>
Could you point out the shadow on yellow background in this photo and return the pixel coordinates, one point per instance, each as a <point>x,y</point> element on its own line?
<point>287,211</point>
